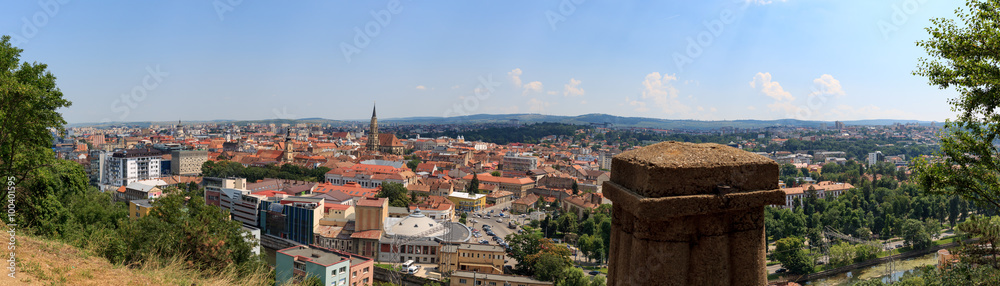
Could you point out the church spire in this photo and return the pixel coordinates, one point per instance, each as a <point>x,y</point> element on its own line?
<point>373,109</point>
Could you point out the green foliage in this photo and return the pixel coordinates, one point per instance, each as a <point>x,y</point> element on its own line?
<point>224,169</point>
<point>963,57</point>
<point>790,251</point>
<point>396,193</point>
<point>915,234</point>
<point>473,187</point>
<point>30,99</point>
<point>412,164</point>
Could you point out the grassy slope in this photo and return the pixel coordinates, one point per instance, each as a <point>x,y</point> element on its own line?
<point>47,262</point>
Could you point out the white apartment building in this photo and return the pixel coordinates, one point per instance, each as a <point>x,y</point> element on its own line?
<point>242,205</point>
<point>515,162</point>
<point>127,166</point>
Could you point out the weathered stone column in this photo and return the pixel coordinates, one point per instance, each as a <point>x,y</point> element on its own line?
<point>690,214</point>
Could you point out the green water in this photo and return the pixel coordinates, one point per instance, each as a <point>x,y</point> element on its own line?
<point>875,271</point>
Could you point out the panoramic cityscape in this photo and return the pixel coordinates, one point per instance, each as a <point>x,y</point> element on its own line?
<point>584,143</point>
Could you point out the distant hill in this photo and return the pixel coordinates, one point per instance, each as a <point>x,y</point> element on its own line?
<point>593,118</point>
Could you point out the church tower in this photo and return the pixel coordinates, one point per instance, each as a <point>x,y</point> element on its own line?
<point>289,152</point>
<point>373,143</point>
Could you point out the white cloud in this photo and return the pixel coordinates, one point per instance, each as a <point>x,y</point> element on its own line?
<point>661,91</point>
<point>572,88</point>
<point>770,88</point>
<point>827,85</point>
<point>583,102</point>
<point>455,87</point>
<point>515,76</point>
<point>751,107</point>
<point>538,106</point>
<point>713,109</point>
<point>552,92</point>
<point>535,86</point>
<point>420,87</point>
<point>701,108</point>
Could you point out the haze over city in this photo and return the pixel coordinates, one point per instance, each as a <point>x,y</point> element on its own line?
<point>705,60</point>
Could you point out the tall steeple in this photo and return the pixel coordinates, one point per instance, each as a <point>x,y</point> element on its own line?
<point>373,143</point>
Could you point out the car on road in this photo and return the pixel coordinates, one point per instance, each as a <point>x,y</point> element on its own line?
<point>781,270</point>
<point>595,272</point>
<point>484,241</point>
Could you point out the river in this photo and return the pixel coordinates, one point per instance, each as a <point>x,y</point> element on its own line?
<point>874,271</point>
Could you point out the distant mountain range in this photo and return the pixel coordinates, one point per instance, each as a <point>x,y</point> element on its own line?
<point>586,119</point>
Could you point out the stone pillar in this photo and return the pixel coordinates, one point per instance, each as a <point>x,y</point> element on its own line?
<point>690,214</point>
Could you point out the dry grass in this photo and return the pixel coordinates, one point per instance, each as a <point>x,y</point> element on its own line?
<point>45,262</point>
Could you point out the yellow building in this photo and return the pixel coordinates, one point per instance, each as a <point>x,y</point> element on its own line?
<point>482,258</point>
<point>466,202</point>
<point>139,208</point>
<point>463,278</point>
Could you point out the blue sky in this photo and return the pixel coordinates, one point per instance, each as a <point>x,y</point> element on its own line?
<point>707,60</point>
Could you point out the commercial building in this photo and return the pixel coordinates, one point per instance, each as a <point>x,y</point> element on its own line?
<point>824,189</point>
<point>370,176</point>
<point>242,206</point>
<point>213,188</point>
<point>466,202</point>
<point>127,166</point>
<point>481,258</point>
<point>417,237</point>
<point>332,267</point>
<point>187,162</point>
<point>289,217</point>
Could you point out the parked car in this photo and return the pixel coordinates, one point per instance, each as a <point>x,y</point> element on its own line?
<point>499,220</point>
<point>595,272</point>
<point>781,270</point>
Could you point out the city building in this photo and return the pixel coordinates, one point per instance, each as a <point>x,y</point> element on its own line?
<point>291,217</point>
<point>385,143</point>
<point>469,278</point>
<point>481,258</point>
<point>242,205</point>
<point>417,237</point>
<point>518,186</point>
<point>522,205</point>
<point>332,267</point>
<point>515,162</point>
<point>370,176</point>
<point>141,190</point>
<point>466,202</point>
<point>139,208</point>
<point>213,188</point>
<point>875,157</point>
<point>824,189</point>
<point>127,166</point>
<point>187,162</point>
<point>370,215</point>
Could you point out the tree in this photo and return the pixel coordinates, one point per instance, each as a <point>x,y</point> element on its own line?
<point>30,100</point>
<point>573,276</point>
<point>473,187</point>
<point>464,218</point>
<point>496,173</point>
<point>412,164</point>
<point>576,188</point>
<point>915,234</point>
<point>790,251</point>
<point>963,55</point>
<point>396,193</point>
<point>841,254</point>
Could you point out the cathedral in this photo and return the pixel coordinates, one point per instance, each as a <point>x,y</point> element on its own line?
<point>385,143</point>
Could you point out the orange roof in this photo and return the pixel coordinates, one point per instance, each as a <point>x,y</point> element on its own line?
<point>486,177</point>
<point>371,202</point>
<point>368,234</point>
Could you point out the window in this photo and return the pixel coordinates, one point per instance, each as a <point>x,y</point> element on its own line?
<point>354,274</point>
<point>493,284</point>
<point>365,270</point>
<point>462,281</point>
